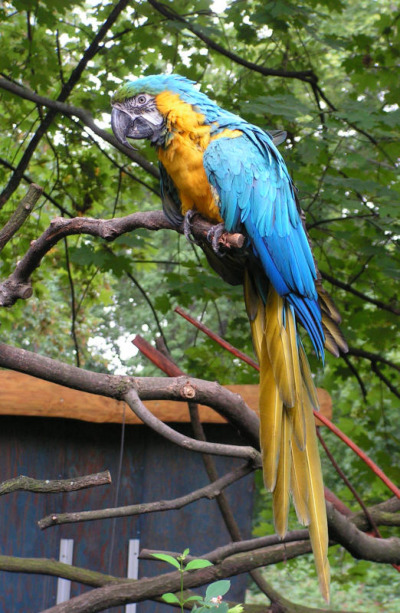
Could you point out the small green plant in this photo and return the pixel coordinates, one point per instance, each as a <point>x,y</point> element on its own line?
<point>212,602</point>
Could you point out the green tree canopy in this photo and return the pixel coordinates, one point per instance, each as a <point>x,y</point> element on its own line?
<point>324,71</point>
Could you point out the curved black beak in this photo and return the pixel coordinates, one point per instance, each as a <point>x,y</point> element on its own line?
<point>120,123</point>
<point>124,126</point>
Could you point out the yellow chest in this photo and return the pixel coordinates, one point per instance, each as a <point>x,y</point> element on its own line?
<point>183,161</point>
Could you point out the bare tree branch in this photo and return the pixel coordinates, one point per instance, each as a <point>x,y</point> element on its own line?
<point>235,451</point>
<point>18,284</point>
<point>303,75</point>
<point>209,491</point>
<point>209,393</point>
<point>29,180</point>
<point>349,288</point>
<point>20,214</point>
<point>47,486</point>
<point>372,357</point>
<point>361,545</point>
<point>43,566</point>
<point>307,76</point>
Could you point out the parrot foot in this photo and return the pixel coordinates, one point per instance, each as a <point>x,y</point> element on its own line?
<point>214,235</point>
<point>187,227</point>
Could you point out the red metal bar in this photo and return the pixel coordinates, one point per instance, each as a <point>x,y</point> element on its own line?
<point>239,354</point>
<point>158,358</point>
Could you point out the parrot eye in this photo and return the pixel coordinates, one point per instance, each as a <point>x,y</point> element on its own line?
<point>142,99</point>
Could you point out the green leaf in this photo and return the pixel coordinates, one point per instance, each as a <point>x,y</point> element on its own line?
<point>166,558</point>
<point>170,598</point>
<point>194,564</point>
<point>218,588</point>
<point>194,599</point>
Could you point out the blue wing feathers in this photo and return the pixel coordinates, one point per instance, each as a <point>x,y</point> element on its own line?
<point>255,190</point>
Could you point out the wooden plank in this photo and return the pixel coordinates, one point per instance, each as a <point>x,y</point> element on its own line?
<point>24,395</point>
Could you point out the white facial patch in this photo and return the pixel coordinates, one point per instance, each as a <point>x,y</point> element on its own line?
<point>153,116</point>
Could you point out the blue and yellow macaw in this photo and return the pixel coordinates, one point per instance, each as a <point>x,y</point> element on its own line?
<point>229,171</point>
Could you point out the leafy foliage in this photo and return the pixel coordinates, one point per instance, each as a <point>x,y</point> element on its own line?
<point>334,90</point>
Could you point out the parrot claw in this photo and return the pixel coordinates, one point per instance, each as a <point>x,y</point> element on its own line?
<point>214,235</point>
<point>187,228</point>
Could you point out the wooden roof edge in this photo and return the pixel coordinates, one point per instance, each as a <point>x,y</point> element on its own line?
<point>28,396</point>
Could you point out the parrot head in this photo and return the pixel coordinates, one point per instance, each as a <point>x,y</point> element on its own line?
<point>141,108</point>
<point>135,114</point>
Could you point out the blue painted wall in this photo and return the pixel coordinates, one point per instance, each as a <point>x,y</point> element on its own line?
<point>153,469</point>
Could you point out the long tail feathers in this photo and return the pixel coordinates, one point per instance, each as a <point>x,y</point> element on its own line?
<point>281,494</point>
<point>291,464</point>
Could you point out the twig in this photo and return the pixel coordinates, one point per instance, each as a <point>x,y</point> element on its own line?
<point>73,304</point>
<point>150,304</point>
<point>30,181</point>
<point>348,288</point>
<point>85,117</point>
<point>356,374</point>
<point>303,75</point>
<point>361,454</point>
<point>347,481</point>
<point>209,491</point>
<point>385,380</point>
<point>20,214</point>
<point>47,486</point>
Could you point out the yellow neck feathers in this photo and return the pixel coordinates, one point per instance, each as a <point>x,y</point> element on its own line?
<point>182,156</point>
<point>183,119</point>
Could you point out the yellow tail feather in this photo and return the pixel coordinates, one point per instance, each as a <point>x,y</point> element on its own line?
<point>281,493</point>
<point>278,346</point>
<point>299,485</point>
<point>291,463</point>
<point>299,429</point>
<point>318,527</point>
<point>271,412</point>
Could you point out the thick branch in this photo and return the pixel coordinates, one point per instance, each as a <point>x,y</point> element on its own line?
<point>209,491</point>
<point>385,513</point>
<point>235,451</point>
<point>28,484</point>
<point>228,565</point>
<point>228,404</point>
<point>18,284</point>
<point>123,593</point>
<point>21,213</point>
<point>43,566</point>
<point>361,545</point>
